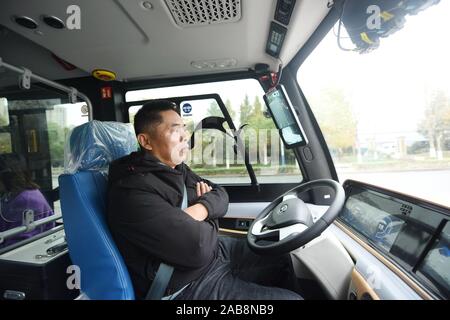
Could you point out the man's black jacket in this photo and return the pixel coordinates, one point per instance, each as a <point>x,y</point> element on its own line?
<point>144,215</point>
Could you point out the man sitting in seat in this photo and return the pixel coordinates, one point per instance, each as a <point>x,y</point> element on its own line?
<point>145,195</point>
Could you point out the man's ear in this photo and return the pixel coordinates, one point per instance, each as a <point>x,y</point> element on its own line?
<point>144,141</point>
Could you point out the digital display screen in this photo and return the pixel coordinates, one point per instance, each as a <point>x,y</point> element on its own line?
<point>285,118</point>
<point>375,216</point>
<point>413,233</point>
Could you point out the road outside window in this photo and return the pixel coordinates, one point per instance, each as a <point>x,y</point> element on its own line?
<point>385,115</point>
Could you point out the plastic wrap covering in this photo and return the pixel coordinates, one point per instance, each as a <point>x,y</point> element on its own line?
<point>93,145</point>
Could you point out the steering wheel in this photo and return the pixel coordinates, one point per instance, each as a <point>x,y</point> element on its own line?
<point>287,224</point>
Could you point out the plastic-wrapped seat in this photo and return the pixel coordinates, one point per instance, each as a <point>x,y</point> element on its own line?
<point>83,193</point>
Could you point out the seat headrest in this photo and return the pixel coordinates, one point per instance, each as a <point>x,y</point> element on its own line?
<point>93,145</point>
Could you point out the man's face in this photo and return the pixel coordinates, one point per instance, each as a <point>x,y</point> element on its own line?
<point>168,140</point>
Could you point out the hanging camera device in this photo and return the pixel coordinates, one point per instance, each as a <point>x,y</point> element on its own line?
<point>366,21</point>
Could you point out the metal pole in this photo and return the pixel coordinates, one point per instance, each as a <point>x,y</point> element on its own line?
<point>50,83</point>
<point>18,230</point>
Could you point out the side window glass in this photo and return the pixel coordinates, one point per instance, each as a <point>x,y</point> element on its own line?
<point>32,135</point>
<point>271,162</point>
<point>213,155</point>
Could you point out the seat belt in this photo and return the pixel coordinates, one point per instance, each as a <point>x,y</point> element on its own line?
<point>164,273</point>
<point>184,204</point>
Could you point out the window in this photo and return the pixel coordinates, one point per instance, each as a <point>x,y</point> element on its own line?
<point>5,142</point>
<point>216,159</point>
<point>212,155</point>
<point>32,158</point>
<point>385,115</point>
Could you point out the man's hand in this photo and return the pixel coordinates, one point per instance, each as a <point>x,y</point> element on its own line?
<point>197,212</point>
<point>202,188</point>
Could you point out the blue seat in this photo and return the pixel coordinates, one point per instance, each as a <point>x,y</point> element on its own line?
<point>83,193</point>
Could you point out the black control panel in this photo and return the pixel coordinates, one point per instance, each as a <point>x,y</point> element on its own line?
<point>284,11</point>
<point>276,37</point>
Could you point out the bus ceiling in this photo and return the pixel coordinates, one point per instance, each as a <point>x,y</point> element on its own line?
<point>140,40</point>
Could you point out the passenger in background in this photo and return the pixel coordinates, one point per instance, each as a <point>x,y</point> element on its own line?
<point>18,193</point>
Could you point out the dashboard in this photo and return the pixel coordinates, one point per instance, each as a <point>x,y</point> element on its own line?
<point>411,233</point>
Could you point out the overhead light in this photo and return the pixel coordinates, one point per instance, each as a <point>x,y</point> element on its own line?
<point>214,64</point>
<point>25,22</point>
<point>226,63</point>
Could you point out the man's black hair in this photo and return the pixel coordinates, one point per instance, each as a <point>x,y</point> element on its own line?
<point>150,115</point>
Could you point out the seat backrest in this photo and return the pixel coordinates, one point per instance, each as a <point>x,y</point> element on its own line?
<point>83,193</point>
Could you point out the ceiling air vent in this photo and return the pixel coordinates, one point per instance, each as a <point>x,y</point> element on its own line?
<point>190,13</point>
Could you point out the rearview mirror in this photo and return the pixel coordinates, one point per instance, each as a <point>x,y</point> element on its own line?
<point>285,117</point>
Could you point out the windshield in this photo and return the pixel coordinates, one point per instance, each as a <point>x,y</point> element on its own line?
<point>386,115</point>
